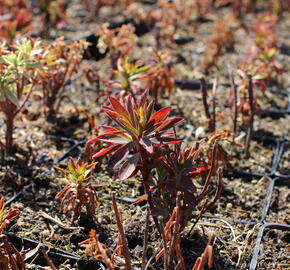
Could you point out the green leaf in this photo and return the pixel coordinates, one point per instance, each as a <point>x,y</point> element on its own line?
<point>10,59</point>
<point>11,96</point>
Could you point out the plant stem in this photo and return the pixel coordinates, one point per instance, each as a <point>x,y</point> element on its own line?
<point>235,100</point>
<point>174,244</point>
<point>122,234</point>
<point>205,103</point>
<point>251,120</point>
<point>145,240</point>
<point>9,133</point>
<point>213,122</point>
<point>161,226</point>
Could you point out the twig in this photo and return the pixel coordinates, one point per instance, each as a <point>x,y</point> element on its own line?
<point>218,190</point>
<point>161,226</point>
<point>207,256</point>
<point>175,244</point>
<point>145,240</point>
<point>122,234</point>
<point>205,103</point>
<point>251,120</point>
<point>214,88</point>
<point>151,258</point>
<point>235,100</point>
<point>58,222</point>
<point>48,260</point>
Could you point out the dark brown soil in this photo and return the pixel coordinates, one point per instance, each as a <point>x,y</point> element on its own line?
<point>279,211</point>
<point>274,253</point>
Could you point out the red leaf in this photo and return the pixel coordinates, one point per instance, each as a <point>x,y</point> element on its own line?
<point>158,116</point>
<point>170,123</point>
<point>198,170</point>
<point>261,84</point>
<point>128,167</point>
<point>109,129</point>
<point>112,114</point>
<point>113,138</point>
<point>106,151</point>
<point>92,140</point>
<point>119,108</point>
<point>141,199</point>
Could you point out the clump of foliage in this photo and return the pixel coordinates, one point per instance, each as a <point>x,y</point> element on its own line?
<point>15,20</point>
<point>53,14</point>
<point>78,193</point>
<point>19,69</point>
<point>222,40</point>
<point>10,257</point>
<point>119,41</point>
<point>60,61</point>
<point>128,77</point>
<point>140,142</point>
<point>160,79</point>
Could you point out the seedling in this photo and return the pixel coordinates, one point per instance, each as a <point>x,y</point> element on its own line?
<point>120,41</point>
<point>53,14</point>
<point>160,78</point>
<point>60,61</point>
<point>222,40</point>
<point>78,193</point>
<point>129,77</point>
<point>18,74</point>
<point>17,25</point>
<point>140,131</point>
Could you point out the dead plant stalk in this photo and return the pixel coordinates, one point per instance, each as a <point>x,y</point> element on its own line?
<point>122,234</point>
<point>251,120</point>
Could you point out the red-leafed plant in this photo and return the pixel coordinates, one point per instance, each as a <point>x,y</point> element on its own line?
<point>140,142</point>
<point>136,140</point>
<point>139,133</point>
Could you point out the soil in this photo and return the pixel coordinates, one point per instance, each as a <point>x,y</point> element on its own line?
<point>241,200</point>
<point>279,211</point>
<point>274,253</point>
<point>284,166</point>
<point>41,145</point>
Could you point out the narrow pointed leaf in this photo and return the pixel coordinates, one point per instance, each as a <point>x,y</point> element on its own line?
<point>170,123</point>
<point>106,151</point>
<point>113,138</point>
<point>158,116</point>
<point>119,108</point>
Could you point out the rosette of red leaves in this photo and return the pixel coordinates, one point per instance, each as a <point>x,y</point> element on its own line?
<point>138,134</point>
